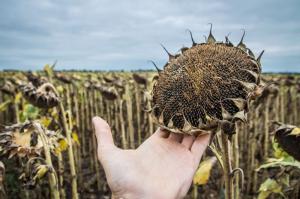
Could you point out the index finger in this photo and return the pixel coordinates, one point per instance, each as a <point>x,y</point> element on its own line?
<point>161,132</point>
<point>199,146</point>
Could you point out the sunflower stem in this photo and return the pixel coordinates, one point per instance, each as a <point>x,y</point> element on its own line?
<point>227,169</point>
<point>236,163</point>
<point>70,149</point>
<point>52,175</point>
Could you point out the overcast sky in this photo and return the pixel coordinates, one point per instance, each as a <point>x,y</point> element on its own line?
<point>111,34</point>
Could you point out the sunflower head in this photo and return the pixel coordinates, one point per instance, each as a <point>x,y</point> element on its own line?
<point>36,169</point>
<point>21,140</point>
<point>139,79</point>
<point>24,140</point>
<point>63,78</point>
<point>35,79</point>
<point>205,85</point>
<point>288,138</point>
<point>43,96</point>
<point>8,87</point>
<point>109,93</point>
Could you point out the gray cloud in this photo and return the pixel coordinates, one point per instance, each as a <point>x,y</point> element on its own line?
<point>120,34</point>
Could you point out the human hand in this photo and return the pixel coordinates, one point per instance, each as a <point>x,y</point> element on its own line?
<point>162,167</point>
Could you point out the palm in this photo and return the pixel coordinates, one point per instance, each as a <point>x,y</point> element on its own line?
<point>163,166</point>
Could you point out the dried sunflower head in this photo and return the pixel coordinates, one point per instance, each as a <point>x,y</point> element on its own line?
<point>35,79</point>
<point>24,139</point>
<point>206,85</point>
<point>107,79</point>
<point>21,140</point>
<point>119,83</point>
<point>63,78</point>
<point>288,138</point>
<point>36,169</point>
<point>139,79</point>
<point>109,93</point>
<point>43,96</point>
<point>8,87</point>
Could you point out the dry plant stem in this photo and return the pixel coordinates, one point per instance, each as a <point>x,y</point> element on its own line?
<point>70,152</point>
<point>236,162</point>
<point>116,115</point>
<point>1,115</point>
<point>251,153</point>
<point>277,107</point>
<point>90,109</point>
<point>129,116</point>
<point>16,107</point>
<point>87,122</point>
<point>52,177</point>
<point>150,121</point>
<point>111,115</point>
<point>60,175</point>
<point>107,112</point>
<point>88,118</point>
<point>123,134</point>
<point>97,169</point>
<point>248,145</point>
<point>266,127</point>
<point>83,129</point>
<point>254,146</point>
<point>295,110</point>
<point>227,167</point>
<point>60,161</point>
<point>6,112</point>
<point>101,105</point>
<point>291,104</point>
<point>138,112</point>
<point>282,101</point>
<point>195,191</point>
<point>76,106</point>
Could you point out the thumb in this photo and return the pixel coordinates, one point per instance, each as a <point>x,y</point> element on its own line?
<point>103,135</point>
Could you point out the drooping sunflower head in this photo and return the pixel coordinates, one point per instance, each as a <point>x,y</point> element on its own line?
<point>21,140</point>
<point>109,93</point>
<point>35,79</point>
<point>139,79</point>
<point>205,85</point>
<point>43,96</point>
<point>8,87</point>
<point>63,78</point>
<point>36,169</point>
<point>288,138</point>
<point>25,139</point>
